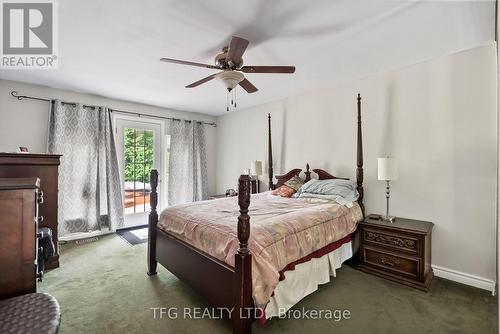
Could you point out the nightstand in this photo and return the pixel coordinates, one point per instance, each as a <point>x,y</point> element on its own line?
<point>399,251</point>
<point>255,185</point>
<point>220,196</point>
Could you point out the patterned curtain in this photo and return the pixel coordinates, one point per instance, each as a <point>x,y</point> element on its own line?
<point>90,195</point>
<point>188,180</point>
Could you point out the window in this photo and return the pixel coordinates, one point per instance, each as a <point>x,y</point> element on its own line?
<point>139,158</point>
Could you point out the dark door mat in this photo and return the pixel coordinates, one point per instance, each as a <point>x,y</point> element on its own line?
<point>134,236</point>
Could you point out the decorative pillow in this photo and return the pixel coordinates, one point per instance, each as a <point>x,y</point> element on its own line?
<point>284,191</point>
<point>295,183</point>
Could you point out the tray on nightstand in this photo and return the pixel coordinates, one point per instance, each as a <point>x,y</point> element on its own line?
<point>399,250</point>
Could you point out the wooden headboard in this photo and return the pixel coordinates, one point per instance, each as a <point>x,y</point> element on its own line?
<point>322,175</point>
<point>281,179</point>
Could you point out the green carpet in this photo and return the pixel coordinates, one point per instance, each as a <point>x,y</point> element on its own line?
<point>102,287</point>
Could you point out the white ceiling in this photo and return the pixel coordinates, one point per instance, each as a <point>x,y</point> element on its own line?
<point>112,48</point>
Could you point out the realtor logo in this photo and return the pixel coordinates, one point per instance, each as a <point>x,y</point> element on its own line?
<point>28,34</point>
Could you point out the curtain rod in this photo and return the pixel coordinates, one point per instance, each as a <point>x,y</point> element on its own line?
<point>21,97</point>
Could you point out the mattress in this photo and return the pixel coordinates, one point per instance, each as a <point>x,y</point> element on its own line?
<point>282,231</point>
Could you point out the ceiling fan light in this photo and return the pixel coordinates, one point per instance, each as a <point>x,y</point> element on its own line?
<point>230,79</point>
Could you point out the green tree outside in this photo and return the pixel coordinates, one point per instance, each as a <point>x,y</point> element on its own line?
<point>138,154</point>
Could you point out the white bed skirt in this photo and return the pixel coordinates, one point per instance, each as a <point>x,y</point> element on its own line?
<point>305,279</point>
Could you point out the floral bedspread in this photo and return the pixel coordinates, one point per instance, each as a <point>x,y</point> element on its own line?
<point>282,230</point>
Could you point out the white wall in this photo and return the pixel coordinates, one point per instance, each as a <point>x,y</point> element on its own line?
<point>497,27</point>
<point>24,123</point>
<point>437,117</point>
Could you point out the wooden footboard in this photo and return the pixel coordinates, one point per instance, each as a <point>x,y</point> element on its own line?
<point>242,322</point>
<point>152,222</point>
<point>221,284</point>
<point>207,275</point>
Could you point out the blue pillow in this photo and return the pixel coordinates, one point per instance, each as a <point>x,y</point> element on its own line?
<point>339,190</point>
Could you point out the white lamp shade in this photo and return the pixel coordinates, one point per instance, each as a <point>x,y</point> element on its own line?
<point>230,79</point>
<point>257,167</point>
<point>388,169</point>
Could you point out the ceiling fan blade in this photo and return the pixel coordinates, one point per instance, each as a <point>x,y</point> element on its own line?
<point>183,62</point>
<point>199,82</point>
<point>248,86</point>
<point>268,69</point>
<point>237,47</point>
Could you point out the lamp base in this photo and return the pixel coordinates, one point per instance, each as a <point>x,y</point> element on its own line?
<point>389,219</point>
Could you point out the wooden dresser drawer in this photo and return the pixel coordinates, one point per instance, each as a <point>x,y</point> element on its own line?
<point>408,243</point>
<point>407,266</point>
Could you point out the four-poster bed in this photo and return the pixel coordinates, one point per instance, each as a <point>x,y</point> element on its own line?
<point>228,283</point>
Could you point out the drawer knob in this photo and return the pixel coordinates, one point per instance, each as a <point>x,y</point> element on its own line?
<point>388,262</point>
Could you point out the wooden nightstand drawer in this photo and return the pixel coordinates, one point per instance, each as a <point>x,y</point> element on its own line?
<point>390,262</point>
<point>399,250</point>
<point>408,243</point>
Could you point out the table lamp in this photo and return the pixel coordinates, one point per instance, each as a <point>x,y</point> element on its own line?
<point>388,170</point>
<point>257,171</point>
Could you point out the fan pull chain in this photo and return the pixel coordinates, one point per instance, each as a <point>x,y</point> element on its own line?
<point>227,101</point>
<point>232,97</point>
<point>234,92</point>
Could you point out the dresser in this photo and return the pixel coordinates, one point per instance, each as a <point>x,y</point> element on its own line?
<point>19,198</point>
<point>45,167</point>
<point>399,251</point>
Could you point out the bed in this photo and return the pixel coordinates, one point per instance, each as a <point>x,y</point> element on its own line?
<point>244,270</point>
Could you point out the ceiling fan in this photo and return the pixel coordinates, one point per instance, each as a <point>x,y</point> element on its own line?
<point>230,62</point>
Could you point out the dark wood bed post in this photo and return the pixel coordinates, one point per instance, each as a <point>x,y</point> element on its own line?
<point>359,169</point>
<point>153,220</point>
<point>242,320</point>
<point>270,153</point>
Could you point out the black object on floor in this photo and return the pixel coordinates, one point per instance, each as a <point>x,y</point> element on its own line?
<point>134,236</point>
<point>46,250</point>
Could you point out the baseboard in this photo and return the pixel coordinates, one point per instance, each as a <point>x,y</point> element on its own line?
<point>468,279</point>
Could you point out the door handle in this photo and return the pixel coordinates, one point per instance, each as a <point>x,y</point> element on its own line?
<point>40,197</point>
